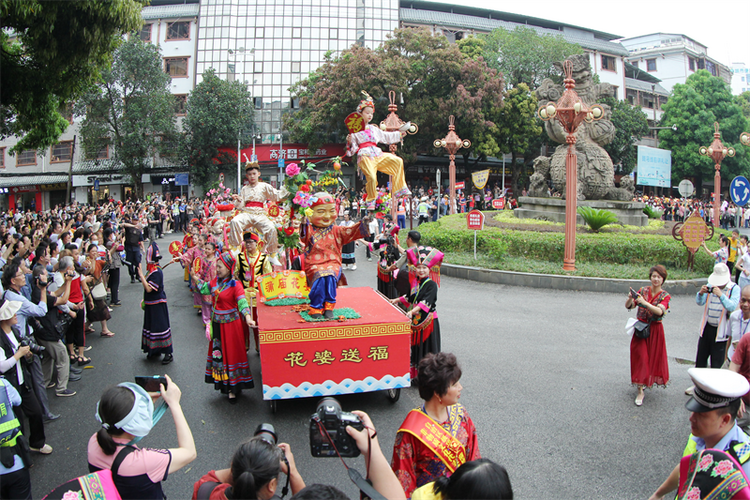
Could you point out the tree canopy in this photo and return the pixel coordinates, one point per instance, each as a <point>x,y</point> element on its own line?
<point>631,125</point>
<point>432,80</point>
<point>694,107</point>
<point>51,52</point>
<point>524,56</point>
<point>218,113</point>
<point>131,110</point>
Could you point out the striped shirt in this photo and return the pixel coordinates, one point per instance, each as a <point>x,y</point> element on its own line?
<point>715,310</point>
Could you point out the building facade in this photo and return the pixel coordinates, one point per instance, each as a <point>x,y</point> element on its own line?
<point>740,78</point>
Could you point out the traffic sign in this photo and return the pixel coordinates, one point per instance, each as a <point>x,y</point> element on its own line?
<point>437,177</point>
<point>686,188</point>
<point>739,190</point>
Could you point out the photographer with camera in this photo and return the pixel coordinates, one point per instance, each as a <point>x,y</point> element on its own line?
<point>253,472</point>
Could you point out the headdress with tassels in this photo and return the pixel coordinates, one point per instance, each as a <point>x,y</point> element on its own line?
<point>367,102</point>
<point>428,256</point>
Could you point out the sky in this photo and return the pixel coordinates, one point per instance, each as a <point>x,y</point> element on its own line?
<point>726,34</point>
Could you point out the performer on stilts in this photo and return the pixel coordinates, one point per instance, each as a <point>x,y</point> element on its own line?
<point>363,142</point>
<point>251,264</point>
<point>250,203</point>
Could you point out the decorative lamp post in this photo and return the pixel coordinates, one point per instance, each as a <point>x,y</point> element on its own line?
<point>717,152</point>
<point>452,143</point>
<point>393,123</point>
<point>570,111</point>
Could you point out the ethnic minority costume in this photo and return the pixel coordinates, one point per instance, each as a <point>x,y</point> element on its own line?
<point>322,257</point>
<point>207,273</point>
<point>187,244</point>
<point>648,357</point>
<point>371,159</point>
<point>156,338</point>
<point>227,367</point>
<point>425,328</point>
<point>253,214</point>
<point>249,268</point>
<point>418,461</point>
<point>347,251</point>
<point>187,259</point>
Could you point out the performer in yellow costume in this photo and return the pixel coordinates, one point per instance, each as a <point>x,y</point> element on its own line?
<point>370,158</point>
<point>252,263</point>
<point>253,214</point>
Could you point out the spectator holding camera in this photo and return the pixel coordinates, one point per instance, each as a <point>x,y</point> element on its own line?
<point>417,460</point>
<point>127,414</point>
<point>14,365</point>
<point>253,473</point>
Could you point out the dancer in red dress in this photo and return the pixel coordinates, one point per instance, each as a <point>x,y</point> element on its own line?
<point>648,356</point>
<point>227,367</point>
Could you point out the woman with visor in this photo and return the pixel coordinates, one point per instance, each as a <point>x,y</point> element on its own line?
<point>127,414</point>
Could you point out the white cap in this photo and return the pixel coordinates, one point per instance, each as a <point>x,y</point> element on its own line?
<point>715,388</point>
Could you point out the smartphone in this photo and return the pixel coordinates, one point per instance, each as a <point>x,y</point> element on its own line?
<point>633,294</point>
<point>151,384</point>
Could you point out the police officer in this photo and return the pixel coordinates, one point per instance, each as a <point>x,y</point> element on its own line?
<point>15,481</point>
<point>713,406</point>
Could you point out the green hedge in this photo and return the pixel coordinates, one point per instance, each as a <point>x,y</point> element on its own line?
<point>608,248</point>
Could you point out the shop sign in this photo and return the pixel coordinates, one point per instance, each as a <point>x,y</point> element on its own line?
<point>23,189</point>
<point>292,152</point>
<point>55,187</point>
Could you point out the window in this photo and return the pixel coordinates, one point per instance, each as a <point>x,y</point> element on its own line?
<point>691,63</point>
<point>61,152</point>
<point>333,33</point>
<point>259,32</point>
<point>257,101</point>
<point>296,32</point>
<point>27,157</point>
<point>2,157</point>
<point>176,67</point>
<point>258,67</point>
<point>650,64</point>
<point>100,155</point>
<point>179,104</point>
<point>609,63</point>
<point>634,63</point>
<point>295,103</point>
<point>145,33</point>
<point>296,68</point>
<point>179,30</point>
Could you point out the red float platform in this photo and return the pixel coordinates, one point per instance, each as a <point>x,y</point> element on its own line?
<point>313,359</point>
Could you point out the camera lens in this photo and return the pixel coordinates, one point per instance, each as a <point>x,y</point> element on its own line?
<point>267,433</point>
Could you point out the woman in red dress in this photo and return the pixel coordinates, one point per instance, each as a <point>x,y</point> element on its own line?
<point>227,367</point>
<point>648,357</point>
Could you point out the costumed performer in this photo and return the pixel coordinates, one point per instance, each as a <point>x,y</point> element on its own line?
<point>252,213</point>
<point>227,367</point>
<point>157,332</point>
<point>207,273</point>
<point>370,158</point>
<point>251,264</point>
<point>187,258</point>
<point>386,246</point>
<point>322,242</point>
<point>424,277</point>
<point>189,241</point>
<point>438,437</point>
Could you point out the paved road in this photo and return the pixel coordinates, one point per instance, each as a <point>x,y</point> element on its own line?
<point>546,381</point>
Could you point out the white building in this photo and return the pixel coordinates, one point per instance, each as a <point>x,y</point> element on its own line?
<point>672,58</point>
<point>740,78</point>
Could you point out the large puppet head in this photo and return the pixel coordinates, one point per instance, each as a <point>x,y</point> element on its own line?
<point>324,210</point>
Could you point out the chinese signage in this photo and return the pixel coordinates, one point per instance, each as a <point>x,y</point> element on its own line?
<point>498,203</point>
<point>654,167</point>
<point>290,152</point>
<point>283,284</point>
<point>475,220</point>
<point>480,178</point>
<point>354,123</point>
<point>326,357</point>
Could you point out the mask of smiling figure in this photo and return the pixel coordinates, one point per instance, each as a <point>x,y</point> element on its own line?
<point>323,242</point>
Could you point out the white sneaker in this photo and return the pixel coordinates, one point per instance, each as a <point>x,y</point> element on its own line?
<point>44,450</point>
<point>353,267</point>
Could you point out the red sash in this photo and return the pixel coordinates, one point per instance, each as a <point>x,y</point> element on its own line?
<point>442,443</point>
<point>254,204</point>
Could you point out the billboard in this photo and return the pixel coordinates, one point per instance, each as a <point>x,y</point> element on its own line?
<point>654,167</point>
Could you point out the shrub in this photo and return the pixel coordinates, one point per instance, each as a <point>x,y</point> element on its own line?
<point>595,218</point>
<point>651,213</point>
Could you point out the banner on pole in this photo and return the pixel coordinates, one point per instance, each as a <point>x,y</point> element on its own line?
<point>480,178</point>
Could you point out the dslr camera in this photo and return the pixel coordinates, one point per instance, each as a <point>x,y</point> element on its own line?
<point>267,433</point>
<point>330,422</point>
<point>33,347</point>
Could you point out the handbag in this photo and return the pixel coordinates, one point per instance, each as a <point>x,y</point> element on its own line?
<point>99,292</point>
<point>641,329</point>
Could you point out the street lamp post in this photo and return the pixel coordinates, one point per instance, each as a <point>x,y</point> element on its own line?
<point>570,111</point>
<point>393,123</point>
<point>717,152</point>
<point>452,143</point>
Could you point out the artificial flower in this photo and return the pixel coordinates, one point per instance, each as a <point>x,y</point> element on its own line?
<point>292,169</point>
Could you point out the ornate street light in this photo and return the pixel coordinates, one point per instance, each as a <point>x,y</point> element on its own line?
<point>452,143</point>
<point>570,111</point>
<point>717,152</point>
<point>745,138</point>
<point>393,123</point>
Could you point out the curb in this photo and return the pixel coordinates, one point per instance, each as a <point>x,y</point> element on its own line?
<point>557,282</point>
